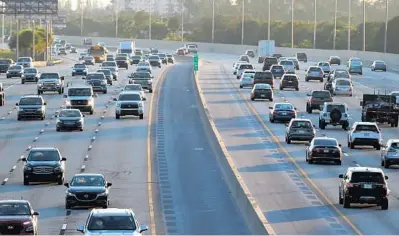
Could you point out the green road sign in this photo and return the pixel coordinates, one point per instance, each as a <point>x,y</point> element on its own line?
<point>195,62</point>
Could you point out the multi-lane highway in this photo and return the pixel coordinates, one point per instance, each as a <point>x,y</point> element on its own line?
<point>163,167</point>
<point>295,197</point>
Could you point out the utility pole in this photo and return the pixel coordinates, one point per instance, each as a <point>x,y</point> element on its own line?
<point>33,40</point>
<point>242,21</point>
<point>17,38</point>
<point>292,23</point>
<point>150,22</point>
<point>269,20</point>
<point>386,25</point>
<point>213,21</point>
<point>116,11</point>
<point>335,23</point>
<point>81,18</point>
<point>2,31</point>
<point>315,24</point>
<point>182,20</point>
<point>364,25</point>
<point>47,46</point>
<point>349,23</point>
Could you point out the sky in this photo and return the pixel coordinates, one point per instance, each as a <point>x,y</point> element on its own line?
<point>99,2</point>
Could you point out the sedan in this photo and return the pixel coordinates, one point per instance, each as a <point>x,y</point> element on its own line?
<point>324,149</point>
<point>342,87</point>
<point>70,119</point>
<point>262,91</point>
<point>379,65</point>
<point>282,112</point>
<point>89,60</point>
<point>325,66</point>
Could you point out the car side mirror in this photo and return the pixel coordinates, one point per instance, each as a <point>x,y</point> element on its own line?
<point>66,185</point>
<point>35,213</point>
<point>83,77</point>
<point>83,115</point>
<point>386,177</point>
<point>115,99</point>
<point>109,185</point>
<point>314,126</point>
<point>16,104</point>
<point>80,228</point>
<point>24,159</point>
<point>62,77</point>
<point>295,108</point>
<point>306,70</point>
<point>143,228</point>
<point>308,94</point>
<point>341,176</point>
<point>361,103</point>
<point>45,103</point>
<point>151,76</point>
<point>63,159</point>
<point>339,145</point>
<point>65,96</point>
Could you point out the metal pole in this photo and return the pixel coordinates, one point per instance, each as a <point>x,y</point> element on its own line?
<point>242,21</point>
<point>213,21</point>
<point>349,23</point>
<point>116,23</point>
<point>335,24</point>
<point>33,40</point>
<point>2,31</point>
<point>269,20</point>
<point>81,18</point>
<point>47,49</point>
<point>182,20</point>
<point>315,24</point>
<point>150,23</point>
<point>386,26</point>
<point>364,25</point>
<point>292,23</point>
<point>17,38</point>
<point>50,34</point>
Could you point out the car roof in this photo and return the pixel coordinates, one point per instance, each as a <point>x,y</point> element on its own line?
<point>283,103</point>
<point>324,62</point>
<point>69,109</point>
<point>44,149</point>
<point>130,92</point>
<point>32,96</point>
<point>364,169</point>
<point>301,119</point>
<point>88,174</point>
<point>111,212</point>
<point>82,86</point>
<point>379,61</point>
<point>364,123</point>
<point>314,67</point>
<point>14,201</point>
<point>325,138</point>
<point>335,103</point>
<point>393,140</point>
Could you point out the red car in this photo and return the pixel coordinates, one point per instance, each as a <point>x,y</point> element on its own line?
<point>17,218</point>
<point>181,51</point>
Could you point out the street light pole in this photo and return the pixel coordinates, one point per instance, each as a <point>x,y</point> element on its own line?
<point>33,40</point>
<point>2,31</point>
<point>242,21</point>
<point>17,38</point>
<point>315,24</point>
<point>150,22</point>
<point>349,23</point>
<point>386,26</point>
<point>335,23</point>
<point>292,23</point>
<point>364,25</point>
<point>269,20</point>
<point>213,21</point>
<point>81,18</point>
<point>47,46</point>
<point>182,20</point>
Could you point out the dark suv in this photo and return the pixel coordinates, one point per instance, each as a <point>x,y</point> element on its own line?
<point>316,100</point>
<point>122,62</point>
<point>301,56</point>
<point>289,81</point>
<point>44,164</point>
<point>18,218</point>
<point>4,64</point>
<point>268,62</point>
<point>264,77</point>
<point>299,130</point>
<point>363,185</point>
<point>31,106</point>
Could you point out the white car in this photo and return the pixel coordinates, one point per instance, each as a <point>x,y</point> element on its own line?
<point>129,103</point>
<point>247,80</point>
<point>342,87</point>
<point>325,66</point>
<point>364,134</point>
<point>135,88</point>
<point>289,66</point>
<point>242,67</point>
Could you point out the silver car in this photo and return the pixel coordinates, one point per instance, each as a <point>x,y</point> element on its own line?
<point>390,153</point>
<point>289,66</point>
<point>247,79</point>
<point>342,87</point>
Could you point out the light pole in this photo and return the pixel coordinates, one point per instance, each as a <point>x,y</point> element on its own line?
<point>335,23</point>
<point>242,21</point>
<point>269,20</point>
<point>47,46</point>
<point>182,20</point>
<point>364,25</point>
<point>386,26</point>
<point>81,18</point>
<point>213,21</point>
<point>2,31</point>
<point>349,23</point>
<point>150,21</point>
<point>17,38</point>
<point>315,24</point>
<point>292,23</point>
<point>33,40</point>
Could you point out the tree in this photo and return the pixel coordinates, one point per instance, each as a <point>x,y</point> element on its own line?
<point>173,23</point>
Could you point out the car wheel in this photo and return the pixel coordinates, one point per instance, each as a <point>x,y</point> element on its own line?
<point>310,161</point>
<point>297,88</point>
<point>60,181</point>
<point>271,120</point>
<point>346,202</point>
<point>322,124</point>
<point>281,88</point>
<point>385,164</point>
<point>338,162</point>
<point>341,200</point>
<point>384,204</point>
<point>22,81</point>
<point>43,117</point>
<point>141,116</point>
<point>39,92</point>
<point>81,129</point>
<point>321,80</point>
<point>105,92</point>
<point>352,146</point>
<point>271,99</point>
<point>378,147</point>
<point>117,116</point>
<point>252,99</point>
<point>289,142</point>
<point>150,90</point>
<point>91,111</point>
<point>58,129</point>
<point>26,181</point>
<point>241,86</point>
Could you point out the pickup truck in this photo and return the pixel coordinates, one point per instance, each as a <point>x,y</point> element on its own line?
<point>50,82</point>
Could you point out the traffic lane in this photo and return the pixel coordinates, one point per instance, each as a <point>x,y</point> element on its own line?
<point>326,176</point>
<point>290,206</point>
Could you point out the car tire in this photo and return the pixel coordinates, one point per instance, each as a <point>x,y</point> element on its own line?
<point>271,99</point>
<point>378,147</point>
<point>385,164</point>
<point>22,81</point>
<point>43,117</point>
<point>310,161</point>
<point>281,88</point>
<point>352,146</point>
<point>338,162</point>
<point>60,181</point>
<point>252,99</point>
<point>60,91</point>
<point>241,86</point>
<point>150,90</point>
<point>341,200</point>
<point>68,206</point>
<point>306,80</point>
<point>288,141</point>
<point>26,181</point>
<point>117,116</point>
<point>73,74</point>
<point>321,80</point>
<point>271,120</point>
<point>297,88</point>
<point>81,129</point>
<point>141,116</point>
<point>58,129</point>
<point>346,202</point>
<point>384,204</point>
<point>105,92</point>
<point>19,118</point>
<point>91,111</point>
<point>322,124</point>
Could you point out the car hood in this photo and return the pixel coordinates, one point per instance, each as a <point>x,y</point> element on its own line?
<point>113,232</point>
<point>48,80</point>
<point>43,163</point>
<point>22,218</point>
<point>86,189</point>
<point>79,98</point>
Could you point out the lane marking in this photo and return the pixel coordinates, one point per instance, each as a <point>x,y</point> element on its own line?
<point>198,149</point>
<point>35,139</point>
<point>86,157</point>
<point>4,181</point>
<point>64,226</point>
<point>90,147</point>
<point>13,168</point>
<point>93,138</point>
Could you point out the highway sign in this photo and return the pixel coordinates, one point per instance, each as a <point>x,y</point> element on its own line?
<point>195,62</point>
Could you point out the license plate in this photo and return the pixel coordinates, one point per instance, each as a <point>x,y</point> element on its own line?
<point>290,82</point>
<point>366,134</point>
<point>284,113</point>
<point>301,131</point>
<point>278,70</point>
<point>368,186</point>
<point>325,151</point>
<point>262,95</point>
<point>69,122</point>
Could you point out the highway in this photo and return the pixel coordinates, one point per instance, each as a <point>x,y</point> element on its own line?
<point>174,169</point>
<point>295,197</point>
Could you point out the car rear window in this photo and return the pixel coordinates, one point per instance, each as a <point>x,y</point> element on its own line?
<point>301,55</point>
<point>283,107</point>
<point>343,82</point>
<point>271,60</point>
<point>301,124</point>
<point>277,68</point>
<point>287,63</point>
<point>372,128</point>
<point>244,67</point>
<point>263,75</point>
<point>325,142</point>
<point>262,86</point>
<point>341,108</point>
<point>314,69</point>
<point>120,58</point>
<point>290,78</point>
<point>321,94</point>
<point>367,177</point>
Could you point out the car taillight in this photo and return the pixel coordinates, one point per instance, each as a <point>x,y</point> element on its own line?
<point>331,99</point>
<point>311,100</point>
<point>349,185</point>
<point>149,82</point>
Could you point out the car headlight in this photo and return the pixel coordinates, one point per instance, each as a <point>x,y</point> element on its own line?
<point>102,194</point>
<point>28,223</point>
<point>69,194</point>
<point>27,168</point>
<point>29,229</point>
<point>141,105</point>
<point>118,105</point>
<point>67,103</point>
<point>58,169</point>
<point>40,84</point>
<point>90,101</point>
<point>103,83</point>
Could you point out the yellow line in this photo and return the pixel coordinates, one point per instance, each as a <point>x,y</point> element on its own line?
<point>253,110</point>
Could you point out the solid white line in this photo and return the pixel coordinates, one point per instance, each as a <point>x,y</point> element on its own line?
<point>198,149</point>
<point>93,138</point>
<point>64,226</point>
<point>346,154</point>
<point>5,180</point>
<point>83,167</point>
<point>14,167</point>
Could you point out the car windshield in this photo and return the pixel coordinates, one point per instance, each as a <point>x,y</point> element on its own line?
<point>245,67</point>
<point>133,87</point>
<point>88,58</point>
<point>88,180</point>
<point>356,63</point>
<point>301,124</point>
<point>321,94</point>
<point>95,77</point>
<point>121,58</point>
<point>30,101</point>
<point>129,97</point>
<point>109,63</point>
<point>49,76</point>
<point>325,142</point>
<point>141,75</point>
<point>154,57</point>
<point>80,66</point>
<point>286,63</point>
<point>108,222</point>
<point>44,155</point>
<point>394,146</point>
<point>343,82</point>
<point>324,64</point>
<point>24,59</point>
<point>106,72</point>
<point>169,56</point>
<point>367,177</point>
<point>331,107</point>
<point>277,68</point>
<point>262,86</point>
<point>30,70</point>
<point>283,107</point>
<point>79,92</point>
<point>161,55</point>
<point>136,57</point>
<point>372,128</point>
<point>314,69</point>
<point>10,209</point>
<point>341,74</point>
<point>15,68</point>
<point>243,58</point>
<point>70,113</point>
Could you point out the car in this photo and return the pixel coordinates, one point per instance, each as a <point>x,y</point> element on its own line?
<point>108,75</point>
<point>4,64</point>
<point>342,87</point>
<point>299,130</point>
<point>135,88</point>
<point>87,41</point>
<point>62,51</point>
<point>247,80</point>
<point>264,77</point>
<point>155,60</point>
<point>80,97</point>
<point>50,82</point>
<point>334,60</point>
<point>277,71</point>
<point>97,81</point>
<point>144,67</point>
<point>236,65</point>
<point>296,62</point>
<point>73,50</point>
<point>89,60</point>
<point>31,106</point>
<point>111,65</point>
<point>171,59</point>
<point>44,164</point>
<point>366,185</point>
<point>324,149</point>
<point>87,190</point>
<point>30,75</point>
<point>339,73</point>
<point>2,95</point>
<point>17,217</point>
<point>129,103</point>
<point>138,52</point>
<point>302,56</point>
<point>390,153</point>
<point>379,65</point>
<point>282,112</point>
<point>15,71</point>
<point>25,62</point>
<point>180,52</point>
<point>325,66</point>
<point>289,81</point>
<point>289,66</point>
<point>154,51</point>
<point>314,73</point>
<point>79,69</point>
<point>112,221</point>
<point>364,134</point>
<point>192,48</point>
<point>277,55</point>
<point>82,55</point>
<point>134,60</point>
<point>163,58</point>
<point>250,53</point>
<point>244,58</point>
<point>122,62</point>
<point>262,91</point>
<point>68,46</point>
<point>268,62</point>
<point>110,58</point>
<point>70,119</point>
<point>316,100</point>
<point>242,67</point>
<point>142,78</point>
<point>334,113</point>
<point>355,66</point>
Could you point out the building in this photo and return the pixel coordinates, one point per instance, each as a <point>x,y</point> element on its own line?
<point>161,7</point>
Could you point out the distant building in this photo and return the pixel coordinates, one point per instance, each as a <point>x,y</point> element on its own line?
<point>161,7</point>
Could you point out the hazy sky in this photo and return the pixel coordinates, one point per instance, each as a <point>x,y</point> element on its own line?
<point>99,2</point>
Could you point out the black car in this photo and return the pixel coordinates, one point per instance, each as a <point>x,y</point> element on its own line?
<point>44,164</point>
<point>134,60</point>
<point>70,119</point>
<point>268,62</point>
<point>15,71</point>
<point>301,56</point>
<point>277,71</point>
<point>4,64</point>
<point>334,60</point>
<point>163,58</point>
<point>324,149</point>
<point>171,59</point>
<point>262,91</point>
<point>87,190</point>
<point>300,130</point>
<point>122,62</point>
<point>98,85</point>
<point>108,75</point>
<point>289,81</point>
<point>282,112</point>
<point>365,185</point>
